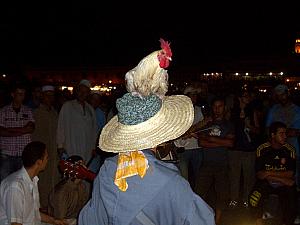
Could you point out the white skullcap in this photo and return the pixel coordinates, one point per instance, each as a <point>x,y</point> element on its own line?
<point>48,88</point>
<point>191,90</point>
<point>280,89</point>
<point>85,83</point>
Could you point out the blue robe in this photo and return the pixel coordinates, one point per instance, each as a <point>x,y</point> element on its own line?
<point>163,196</point>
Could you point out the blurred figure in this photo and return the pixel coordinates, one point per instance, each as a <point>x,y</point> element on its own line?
<point>95,101</point>
<point>46,118</point>
<point>35,97</point>
<point>19,196</point>
<point>16,126</point>
<point>98,158</point>
<point>77,125</point>
<point>242,157</point>
<point>61,97</point>
<point>68,196</point>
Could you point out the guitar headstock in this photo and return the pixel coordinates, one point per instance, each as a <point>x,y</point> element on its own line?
<point>76,170</point>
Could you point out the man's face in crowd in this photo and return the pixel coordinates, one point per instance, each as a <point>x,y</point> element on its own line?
<point>18,95</point>
<point>283,98</point>
<point>83,92</point>
<point>218,109</point>
<point>280,136</point>
<point>48,97</point>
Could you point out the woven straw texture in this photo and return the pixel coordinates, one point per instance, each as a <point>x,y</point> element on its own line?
<point>174,119</point>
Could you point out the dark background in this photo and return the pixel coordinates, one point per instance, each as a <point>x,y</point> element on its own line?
<point>120,34</point>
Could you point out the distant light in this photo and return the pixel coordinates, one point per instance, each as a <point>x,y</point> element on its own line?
<point>110,81</point>
<point>236,74</point>
<point>66,87</point>
<point>270,73</point>
<point>247,74</point>
<point>281,73</point>
<point>287,80</point>
<point>4,75</point>
<point>95,88</point>
<point>171,84</point>
<point>114,88</point>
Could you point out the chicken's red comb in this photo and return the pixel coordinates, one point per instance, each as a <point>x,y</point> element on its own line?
<point>166,47</point>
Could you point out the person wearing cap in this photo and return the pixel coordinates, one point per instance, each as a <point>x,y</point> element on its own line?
<point>46,118</point>
<point>135,187</point>
<point>77,125</point>
<point>287,112</point>
<point>69,195</point>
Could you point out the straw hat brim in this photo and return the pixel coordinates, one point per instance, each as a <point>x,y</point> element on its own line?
<point>173,120</point>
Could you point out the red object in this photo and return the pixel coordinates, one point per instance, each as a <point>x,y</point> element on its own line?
<point>76,170</point>
<point>165,55</point>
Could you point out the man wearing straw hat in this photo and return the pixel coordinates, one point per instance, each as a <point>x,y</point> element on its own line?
<point>134,187</point>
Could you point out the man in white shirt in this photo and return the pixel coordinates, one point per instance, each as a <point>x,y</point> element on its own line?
<point>77,125</point>
<point>19,196</point>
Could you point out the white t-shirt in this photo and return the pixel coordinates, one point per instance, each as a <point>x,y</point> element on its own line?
<point>191,143</point>
<point>19,199</point>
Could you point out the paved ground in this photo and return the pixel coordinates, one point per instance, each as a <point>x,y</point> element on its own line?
<point>240,216</point>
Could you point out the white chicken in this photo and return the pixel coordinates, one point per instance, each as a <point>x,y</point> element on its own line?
<point>150,75</point>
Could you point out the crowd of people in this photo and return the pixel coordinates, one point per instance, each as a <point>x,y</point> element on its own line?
<point>234,150</point>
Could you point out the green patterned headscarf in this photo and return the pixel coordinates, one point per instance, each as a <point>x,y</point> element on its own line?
<point>133,110</point>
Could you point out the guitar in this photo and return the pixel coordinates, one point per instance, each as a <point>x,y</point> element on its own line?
<point>76,170</point>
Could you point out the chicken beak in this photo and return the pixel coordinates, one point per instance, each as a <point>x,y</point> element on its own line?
<point>169,58</point>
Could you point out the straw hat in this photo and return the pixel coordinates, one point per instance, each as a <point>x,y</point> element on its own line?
<point>144,123</point>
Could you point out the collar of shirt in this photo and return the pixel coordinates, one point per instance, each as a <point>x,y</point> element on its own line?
<point>27,178</point>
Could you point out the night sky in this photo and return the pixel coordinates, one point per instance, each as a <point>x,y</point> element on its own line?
<point>114,34</point>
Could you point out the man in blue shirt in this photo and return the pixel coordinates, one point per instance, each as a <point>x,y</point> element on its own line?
<point>134,187</point>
